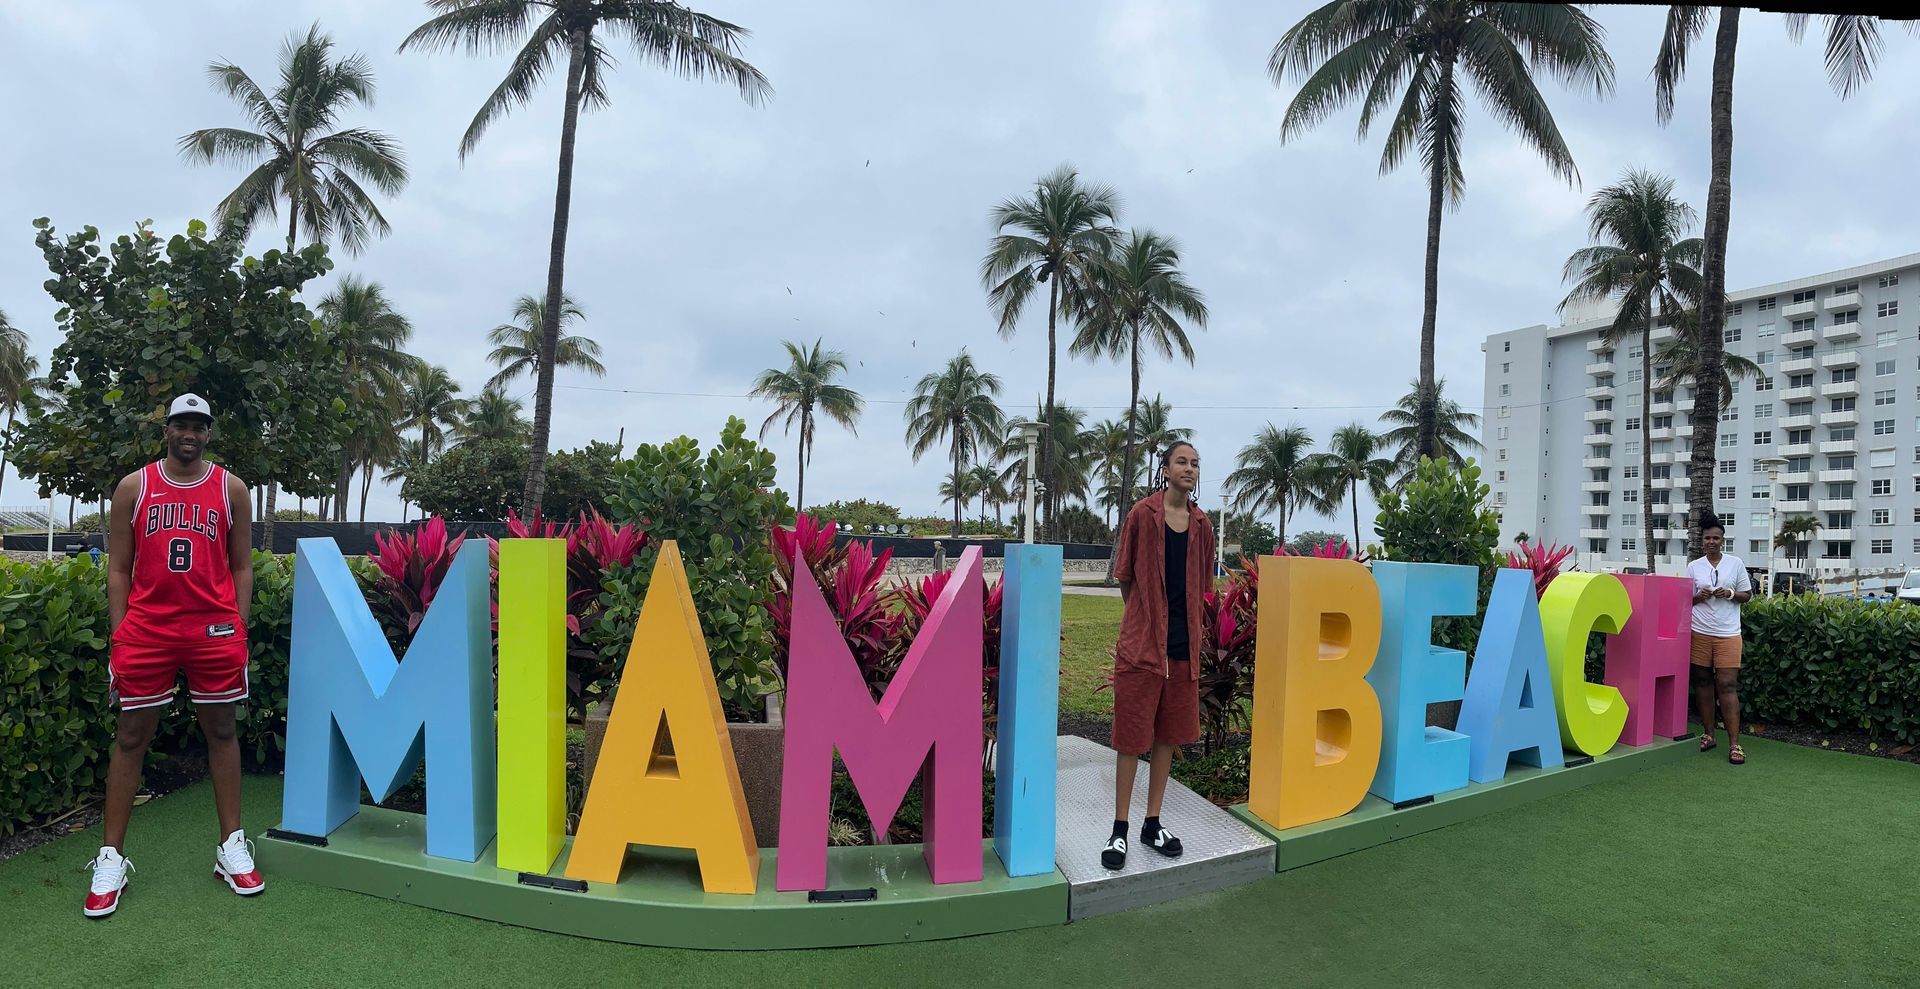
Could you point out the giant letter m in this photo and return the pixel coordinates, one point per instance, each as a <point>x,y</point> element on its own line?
<point>353,712</point>
<point>929,719</point>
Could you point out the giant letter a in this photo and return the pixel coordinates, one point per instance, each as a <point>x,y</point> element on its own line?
<point>929,718</point>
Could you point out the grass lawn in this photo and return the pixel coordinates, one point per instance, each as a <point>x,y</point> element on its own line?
<point>1794,870</point>
<point>1089,626</point>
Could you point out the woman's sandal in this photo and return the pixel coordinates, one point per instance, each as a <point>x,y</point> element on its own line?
<point>1707,742</point>
<point>1736,755</point>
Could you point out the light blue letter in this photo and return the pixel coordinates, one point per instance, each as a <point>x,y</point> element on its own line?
<point>353,712</point>
<point>1509,707</point>
<point>1029,722</point>
<point>1418,759</point>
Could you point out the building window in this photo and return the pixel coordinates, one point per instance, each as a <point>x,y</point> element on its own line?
<point>1884,309</point>
<point>1629,545</point>
<point>1763,411</point>
<point>1840,462</point>
<point>1840,434</point>
<point>1762,494</point>
<point>1797,492</point>
<point>1767,304</point>
<point>1729,440</point>
<point>1729,466</point>
<point>1884,397</point>
<point>1804,324</point>
<point>1629,520</point>
<point>1633,374</point>
<point>1726,520</point>
<point>1630,496</point>
<point>1506,346</point>
<point>1758,520</point>
<point>1763,383</point>
<point>1847,318</point>
<point>1633,448</point>
<point>1763,357</point>
<point>1731,334</point>
<point>1882,486</point>
<point>1840,490</point>
<point>1633,424</point>
<point>1841,404</point>
<point>1886,338</point>
<point>1882,546</point>
<point>1802,380</point>
<point>1844,288</point>
<point>1506,366</point>
<point>1883,427</point>
<point>1842,550</point>
<point>1805,296</point>
<point>1763,437</point>
<point>1499,497</point>
<point>1726,492</point>
<point>1883,516</point>
<point>1763,330</point>
<point>1841,375</point>
<point>1503,454</point>
<point>1880,458</point>
<point>1502,434</point>
<point>1632,471</point>
<point>1505,412</point>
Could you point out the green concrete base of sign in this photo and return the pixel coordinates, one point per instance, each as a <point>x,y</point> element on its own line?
<point>1375,822</point>
<point>380,852</point>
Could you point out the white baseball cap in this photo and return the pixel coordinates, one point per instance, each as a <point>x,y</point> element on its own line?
<point>190,405</point>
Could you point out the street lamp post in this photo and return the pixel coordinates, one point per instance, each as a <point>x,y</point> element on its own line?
<point>1773,465</point>
<point>1030,434</point>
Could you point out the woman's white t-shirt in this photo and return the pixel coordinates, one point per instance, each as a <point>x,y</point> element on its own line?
<point>1718,617</point>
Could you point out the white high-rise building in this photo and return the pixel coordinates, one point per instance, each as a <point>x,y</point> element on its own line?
<point>1838,398</point>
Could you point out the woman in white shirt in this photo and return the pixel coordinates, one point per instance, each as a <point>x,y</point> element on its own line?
<point>1720,587</point>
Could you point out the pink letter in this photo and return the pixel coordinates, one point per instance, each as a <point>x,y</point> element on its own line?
<point>929,719</point>
<point>1647,661</point>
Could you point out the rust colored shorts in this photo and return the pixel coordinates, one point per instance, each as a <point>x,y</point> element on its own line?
<point>1718,652</point>
<point>1149,708</point>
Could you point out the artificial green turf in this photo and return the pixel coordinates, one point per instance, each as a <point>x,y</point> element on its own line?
<point>1089,627</point>
<point>1797,869</point>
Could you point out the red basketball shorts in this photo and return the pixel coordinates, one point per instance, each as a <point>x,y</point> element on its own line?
<point>147,675</point>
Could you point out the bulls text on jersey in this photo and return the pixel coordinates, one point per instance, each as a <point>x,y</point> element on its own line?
<point>161,518</point>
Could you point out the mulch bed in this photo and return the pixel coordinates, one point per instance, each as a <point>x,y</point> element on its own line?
<point>158,780</point>
<point>1838,740</point>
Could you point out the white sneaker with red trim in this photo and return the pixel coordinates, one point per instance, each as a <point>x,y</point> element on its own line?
<point>110,870</point>
<point>233,863</point>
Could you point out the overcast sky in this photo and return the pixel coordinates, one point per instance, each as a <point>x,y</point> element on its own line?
<point>853,206</point>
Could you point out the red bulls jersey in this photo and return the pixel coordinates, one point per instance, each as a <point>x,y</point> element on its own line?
<point>182,586</point>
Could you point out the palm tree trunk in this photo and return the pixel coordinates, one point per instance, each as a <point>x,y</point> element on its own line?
<point>1646,427</point>
<point>1705,416</point>
<point>956,481</point>
<point>1355,486</point>
<point>343,484</point>
<point>556,274</point>
<point>1046,431</point>
<point>266,517</point>
<point>1429,406</point>
<point>1126,462</point>
<point>3,450</point>
<point>366,482</point>
<point>800,460</point>
<point>1283,518</point>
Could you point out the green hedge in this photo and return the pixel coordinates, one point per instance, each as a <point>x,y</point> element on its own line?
<point>55,722</point>
<point>1832,663</point>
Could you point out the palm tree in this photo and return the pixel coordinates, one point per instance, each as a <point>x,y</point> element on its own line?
<point>1336,475</point>
<point>1070,472</point>
<point>1154,433</point>
<point>400,465</point>
<point>1365,50</point>
<point>491,415</point>
<point>300,157</point>
<point>1452,440</point>
<point>516,345</point>
<point>1058,230</point>
<point>373,338</point>
<point>1106,444</point>
<point>1794,531</point>
<point>1270,474</point>
<point>956,405</point>
<point>1678,361</point>
<point>432,405</point>
<point>803,387</point>
<point>1641,262</point>
<point>385,448</point>
<point>1140,296</point>
<point>685,42</point>
<point>17,370</point>
<point>985,483</point>
<point>1853,44</point>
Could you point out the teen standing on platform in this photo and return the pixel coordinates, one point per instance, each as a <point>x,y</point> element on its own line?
<point>1164,568</point>
<point>179,586</point>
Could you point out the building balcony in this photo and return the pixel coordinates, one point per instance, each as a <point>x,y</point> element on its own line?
<point>1796,422</point>
<point>1840,389</point>
<point>1799,309</point>
<point>1660,408</point>
<point>1844,358</point>
<point>1840,332</point>
<point>1599,415</point>
<point>1797,394</point>
<point>1656,435</point>
<point>1661,333</point>
<point>1683,432</point>
<point>1834,505</point>
<point>1593,533</point>
<point>1799,338</point>
<point>1598,439</point>
<point>1669,482</point>
<point>1797,366</point>
<point>1842,303</point>
<point>1596,345</point>
<point>1830,476</point>
<point>1601,463</point>
<point>1797,477</point>
<point>1660,457</point>
<point>1596,509</point>
<point>1839,446</point>
<point>1836,535</point>
<point>1600,391</point>
<point>1793,506</point>
<point>1850,417</point>
<point>1683,405</point>
<point>1596,485</point>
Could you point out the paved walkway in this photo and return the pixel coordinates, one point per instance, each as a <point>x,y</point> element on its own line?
<point>1094,590</point>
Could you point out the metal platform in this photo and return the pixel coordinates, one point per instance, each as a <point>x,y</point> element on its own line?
<point>1220,851</point>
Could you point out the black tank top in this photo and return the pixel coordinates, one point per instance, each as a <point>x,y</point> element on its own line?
<point>1176,581</point>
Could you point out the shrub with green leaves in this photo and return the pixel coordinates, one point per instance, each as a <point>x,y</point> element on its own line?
<point>718,508</point>
<point>1832,663</point>
<point>1443,514</point>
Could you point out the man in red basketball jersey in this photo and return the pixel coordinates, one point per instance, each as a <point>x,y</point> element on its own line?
<point>179,586</point>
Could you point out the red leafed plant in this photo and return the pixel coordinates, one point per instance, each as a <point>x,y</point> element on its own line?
<point>1543,558</point>
<point>917,599</point>
<point>594,546</point>
<point>412,566</point>
<point>1228,621</point>
<point>850,581</point>
<point>1332,549</point>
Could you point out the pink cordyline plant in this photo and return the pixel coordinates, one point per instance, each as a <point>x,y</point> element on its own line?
<point>1543,558</point>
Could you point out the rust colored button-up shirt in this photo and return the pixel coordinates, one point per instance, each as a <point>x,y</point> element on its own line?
<point>1142,562</point>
